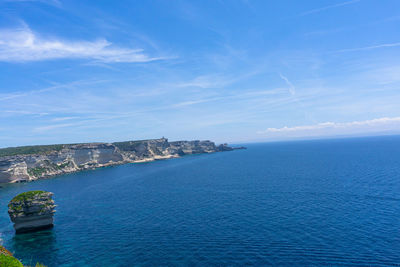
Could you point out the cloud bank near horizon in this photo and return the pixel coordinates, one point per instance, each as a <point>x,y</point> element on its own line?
<point>379,125</point>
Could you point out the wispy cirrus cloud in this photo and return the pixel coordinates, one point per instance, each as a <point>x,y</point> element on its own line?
<point>206,82</point>
<point>21,94</point>
<point>317,10</point>
<point>23,45</point>
<point>367,47</point>
<point>214,80</point>
<point>52,127</point>
<point>64,118</point>
<point>23,112</point>
<point>336,128</point>
<point>56,3</point>
<point>292,89</point>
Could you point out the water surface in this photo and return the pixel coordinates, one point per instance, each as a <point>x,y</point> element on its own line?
<point>330,202</point>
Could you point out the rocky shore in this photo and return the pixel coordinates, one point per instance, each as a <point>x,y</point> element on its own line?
<point>32,211</point>
<point>23,165</point>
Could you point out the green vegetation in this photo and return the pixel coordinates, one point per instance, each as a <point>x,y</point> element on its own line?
<point>46,149</point>
<point>62,165</point>
<point>4,251</point>
<point>132,145</point>
<point>7,259</point>
<point>38,171</point>
<point>128,145</point>
<point>27,196</point>
<point>16,204</point>
<point>17,208</point>
<point>28,150</point>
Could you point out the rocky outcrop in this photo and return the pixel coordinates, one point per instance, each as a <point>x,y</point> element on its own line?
<point>62,159</point>
<point>13,169</point>
<point>225,147</point>
<point>32,211</point>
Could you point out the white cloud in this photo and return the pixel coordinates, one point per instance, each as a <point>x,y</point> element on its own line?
<point>317,10</point>
<point>367,48</point>
<point>198,101</point>
<point>337,128</point>
<point>52,127</point>
<point>292,89</point>
<point>15,95</point>
<point>208,81</point>
<point>216,80</point>
<point>24,112</point>
<point>64,118</point>
<point>21,45</point>
<point>56,3</point>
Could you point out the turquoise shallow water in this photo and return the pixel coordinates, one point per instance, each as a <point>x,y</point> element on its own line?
<point>331,202</point>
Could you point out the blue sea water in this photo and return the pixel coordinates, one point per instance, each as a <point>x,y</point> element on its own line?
<point>326,202</point>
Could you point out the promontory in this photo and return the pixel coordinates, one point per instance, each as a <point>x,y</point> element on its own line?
<point>23,164</point>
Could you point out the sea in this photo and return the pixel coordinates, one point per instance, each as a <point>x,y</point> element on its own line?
<point>300,203</point>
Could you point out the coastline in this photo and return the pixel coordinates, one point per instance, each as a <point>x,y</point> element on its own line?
<point>147,160</point>
<point>64,159</point>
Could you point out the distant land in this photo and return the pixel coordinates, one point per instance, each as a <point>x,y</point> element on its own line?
<point>28,163</point>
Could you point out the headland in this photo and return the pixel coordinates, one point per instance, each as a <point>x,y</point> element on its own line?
<point>28,163</point>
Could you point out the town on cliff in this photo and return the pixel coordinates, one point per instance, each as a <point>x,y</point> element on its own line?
<point>24,164</point>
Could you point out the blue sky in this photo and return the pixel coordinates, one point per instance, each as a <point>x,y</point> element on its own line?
<point>234,71</point>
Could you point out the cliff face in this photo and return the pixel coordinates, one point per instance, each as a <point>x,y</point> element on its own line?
<point>31,211</point>
<point>72,158</point>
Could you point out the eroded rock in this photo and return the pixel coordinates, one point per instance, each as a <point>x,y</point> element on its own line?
<point>31,211</point>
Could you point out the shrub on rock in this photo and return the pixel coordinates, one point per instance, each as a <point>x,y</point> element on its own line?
<point>32,211</point>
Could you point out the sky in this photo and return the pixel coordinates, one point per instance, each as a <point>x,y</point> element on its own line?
<point>229,71</point>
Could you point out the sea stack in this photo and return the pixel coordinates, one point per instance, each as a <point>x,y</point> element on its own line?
<point>31,211</point>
